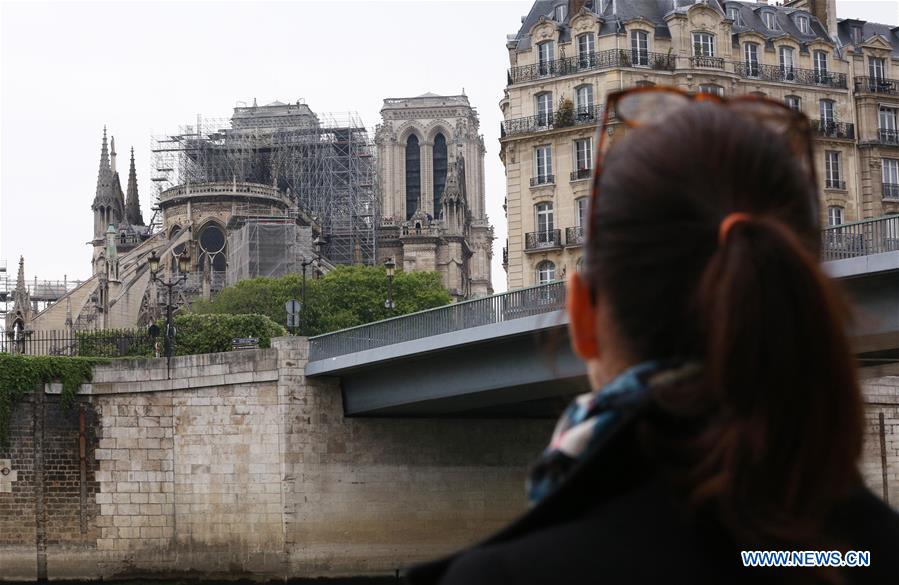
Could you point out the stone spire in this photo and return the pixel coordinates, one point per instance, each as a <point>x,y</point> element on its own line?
<point>112,154</point>
<point>108,204</point>
<point>21,301</point>
<point>132,203</point>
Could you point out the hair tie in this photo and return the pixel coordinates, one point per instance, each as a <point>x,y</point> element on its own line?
<point>729,222</point>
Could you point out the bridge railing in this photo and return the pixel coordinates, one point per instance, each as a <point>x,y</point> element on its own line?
<point>499,308</point>
<point>860,238</point>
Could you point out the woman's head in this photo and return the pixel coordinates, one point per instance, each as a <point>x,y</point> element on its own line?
<point>753,307</point>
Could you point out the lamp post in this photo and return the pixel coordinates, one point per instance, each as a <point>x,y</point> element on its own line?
<point>183,269</point>
<point>317,242</point>
<point>390,266</point>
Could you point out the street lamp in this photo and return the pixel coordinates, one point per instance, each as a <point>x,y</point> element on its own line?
<point>390,266</point>
<point>183,269</point>
<point>317,243</point>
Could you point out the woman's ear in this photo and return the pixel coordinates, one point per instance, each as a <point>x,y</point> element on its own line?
<point>581,318</point>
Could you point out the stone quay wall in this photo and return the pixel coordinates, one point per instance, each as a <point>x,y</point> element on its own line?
<point>235,465</point>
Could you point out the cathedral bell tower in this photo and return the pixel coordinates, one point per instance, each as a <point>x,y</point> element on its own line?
<point>108,205</point>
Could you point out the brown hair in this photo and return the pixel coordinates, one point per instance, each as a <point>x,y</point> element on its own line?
<point>776,417</point>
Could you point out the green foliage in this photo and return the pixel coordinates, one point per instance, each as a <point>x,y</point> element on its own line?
<point>113,343</point>
<point>214,333</point>
<point>345,297</point>
<point>20,374</point>
<point>565,114</point>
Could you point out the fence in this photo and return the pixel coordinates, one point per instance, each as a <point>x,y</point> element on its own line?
<point>860,238</point>
<point>95,343</point>
<point>484,311</point>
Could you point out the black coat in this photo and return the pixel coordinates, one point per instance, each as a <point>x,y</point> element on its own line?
<point>615,521</point>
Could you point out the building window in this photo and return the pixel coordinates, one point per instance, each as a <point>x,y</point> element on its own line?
<point>545,54</point>
<point>733,13</point>
<point>583,157</point>
<point>794,102</point>
<point>560,12</point>
<point>546,272</point>
<point>212,249</point>
<point>639,48</point>
<point>834,215</point>
<point>544,108</point>
<point>820,61</point>
<point>580,212</point>
<point>413,175</point>
<point>826,109</point>
<point>703,45</point>
<point>712,89</point>
<point>586,50</point>
<point>876,68</point>
<point>856,34</point>
<point>584,97</point>
<point>770,19</point>
<point>802,22</point>
<point>440,167</point>
<point>544,217</point>
<point>888,131</point>
<point>579,266</point>
<point>832,170</point>
<point>890,178</point>
<point>786,64</point>
<point>543,163</point>
<point>751,56</point>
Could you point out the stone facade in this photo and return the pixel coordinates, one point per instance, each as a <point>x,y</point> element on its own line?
<point>568,56</point>
<point>431,191</point>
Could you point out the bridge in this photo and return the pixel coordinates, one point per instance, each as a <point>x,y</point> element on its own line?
<point>508,355</point>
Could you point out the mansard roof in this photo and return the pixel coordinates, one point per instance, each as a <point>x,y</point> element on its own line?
<point>869,31</point>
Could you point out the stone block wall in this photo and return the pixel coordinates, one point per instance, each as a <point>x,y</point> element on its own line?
<point>880,459</point>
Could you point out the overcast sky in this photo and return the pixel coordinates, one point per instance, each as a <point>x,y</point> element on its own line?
<point>145,68</point>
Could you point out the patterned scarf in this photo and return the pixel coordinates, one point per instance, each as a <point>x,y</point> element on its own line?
<point>589,419</point>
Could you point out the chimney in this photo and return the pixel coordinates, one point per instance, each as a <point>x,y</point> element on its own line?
<point>574,6</point>
<point>826,12</point>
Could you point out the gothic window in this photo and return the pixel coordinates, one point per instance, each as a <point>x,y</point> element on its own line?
<point>413,175</point>
<point>546,272</point>
<point>212,248</point>
<point>440,167</point>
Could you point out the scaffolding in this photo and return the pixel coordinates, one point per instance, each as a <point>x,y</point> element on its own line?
<point>323,163</point>
<point>267,246</point>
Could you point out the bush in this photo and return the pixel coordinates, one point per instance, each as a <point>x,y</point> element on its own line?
<point>213,333</point>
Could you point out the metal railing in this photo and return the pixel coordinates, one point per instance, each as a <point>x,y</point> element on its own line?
<point>581,174</point>
<point>890,137</point>
<point>608,59</point>
<point>834,184</point>
<point>490,310</point>
<point>891,191</point>
<point>876,85</point>
<point>860,238</point>
<point>703,61</point>
<point>790,75</point>
<point>543,180</point>
<point>574,236</point>
<point>545,240</point>
<point>92,343</point>
<point>579,116</point>
<point>831,129</point>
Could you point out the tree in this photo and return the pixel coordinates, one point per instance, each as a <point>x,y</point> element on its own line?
<point>345,297</point>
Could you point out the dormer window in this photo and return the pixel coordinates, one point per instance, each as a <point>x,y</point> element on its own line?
<point>560,12</point>
<point>770,20</point>
<point>856,34</point>
<point>803,24</point>
<point>733,13</point>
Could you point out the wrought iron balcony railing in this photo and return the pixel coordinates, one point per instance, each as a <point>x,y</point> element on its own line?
<point>574,236</point>
<point>890,137</point>
<point>578,116</point>
<point>790,75</point>
<point>891,191</point>
<point>860,238</point>
<point>591,61</point>
<point>876,85</point>
<point>832,129</point>
<point>581,174</point>
<point>834,184</point>
<point>702,61</point>
<point>542,180</point>
<point>545,240</point>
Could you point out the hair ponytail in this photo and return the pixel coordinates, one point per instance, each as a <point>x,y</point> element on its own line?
<point>783,444</point>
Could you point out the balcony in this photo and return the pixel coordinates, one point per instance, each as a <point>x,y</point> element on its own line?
<point>704,62</point>
<point>546,240</point>
<point>877,85</point>
<point>861,238</point>
<point>542,180</point>
<point>574,236</point>
<point>591,62</point>
<point>830,129</point>
<point>581,174</point>
<point>888,137</point>
<point>834,184</point>
<point>790,75</point>
<point>580,116</point>
<point>891,191</point>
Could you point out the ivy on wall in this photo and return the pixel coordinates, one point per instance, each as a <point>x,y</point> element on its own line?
<point>21,374</point>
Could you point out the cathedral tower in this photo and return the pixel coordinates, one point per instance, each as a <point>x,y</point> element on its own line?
<point>108,205</point>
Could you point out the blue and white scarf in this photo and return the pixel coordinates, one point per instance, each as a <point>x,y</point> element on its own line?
<point>589,420</point>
